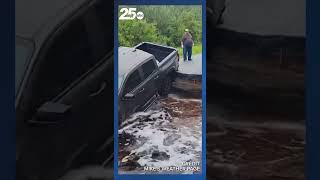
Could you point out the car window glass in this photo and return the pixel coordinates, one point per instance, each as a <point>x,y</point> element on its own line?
<point>104,12</point>
<point>98,38</point>
<point>68,58</point>
<point>133,81</point>
<point>148,68</point>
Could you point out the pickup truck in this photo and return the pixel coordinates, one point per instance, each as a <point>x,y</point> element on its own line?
<point>145,71</point>
<point>63,88</point>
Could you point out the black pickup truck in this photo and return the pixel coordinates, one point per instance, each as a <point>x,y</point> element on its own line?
<point>145,71</point>
<point>64,89</point>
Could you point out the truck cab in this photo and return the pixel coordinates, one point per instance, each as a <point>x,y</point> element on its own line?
<point>63,86</point>
<point>144,72</point>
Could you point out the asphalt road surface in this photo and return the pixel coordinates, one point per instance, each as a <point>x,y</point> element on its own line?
<point>193,67</point>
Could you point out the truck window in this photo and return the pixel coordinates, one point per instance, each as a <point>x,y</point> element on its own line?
<point>99,38</point>
<point>133,81</point>
<point>69,56</point>
<point>104,11</point>
<point>148,68</point>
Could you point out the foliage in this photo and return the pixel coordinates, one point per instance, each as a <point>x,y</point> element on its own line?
<point>197,49</point>
<point>163,25</point>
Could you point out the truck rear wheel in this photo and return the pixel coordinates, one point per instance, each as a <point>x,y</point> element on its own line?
<point>166,87</point>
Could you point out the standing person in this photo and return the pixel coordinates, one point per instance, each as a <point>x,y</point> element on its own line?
<point>186,44</point>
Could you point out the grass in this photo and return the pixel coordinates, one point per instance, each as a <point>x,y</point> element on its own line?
<point>196,49</point>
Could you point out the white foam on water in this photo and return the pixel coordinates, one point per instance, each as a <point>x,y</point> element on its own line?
<point>162,133</point>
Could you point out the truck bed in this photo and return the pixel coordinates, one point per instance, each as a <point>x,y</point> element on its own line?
<point>160,52</point>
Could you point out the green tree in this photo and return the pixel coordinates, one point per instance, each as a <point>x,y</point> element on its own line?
<point>162,24</point>
<point>133,32</point>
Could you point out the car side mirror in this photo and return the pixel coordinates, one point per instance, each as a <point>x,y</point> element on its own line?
<point>51,113</point>
<point>128,96</point>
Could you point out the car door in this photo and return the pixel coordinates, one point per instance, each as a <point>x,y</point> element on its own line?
<point>90,94</point>
<point>150,79</point>
<point>72,80</point>
<point>132,97</point>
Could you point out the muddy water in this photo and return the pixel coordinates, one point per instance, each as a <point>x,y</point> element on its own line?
<point>167,135</point>
<point>253,138</point>
<point>254,152</point>
<point>248,137</point>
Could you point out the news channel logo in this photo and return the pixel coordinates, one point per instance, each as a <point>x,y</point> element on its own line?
<point>130,14</point>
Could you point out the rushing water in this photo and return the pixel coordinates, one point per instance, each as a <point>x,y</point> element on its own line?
<point>169,134</point>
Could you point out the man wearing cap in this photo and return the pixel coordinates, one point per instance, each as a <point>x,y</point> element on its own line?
<point>186,44</point>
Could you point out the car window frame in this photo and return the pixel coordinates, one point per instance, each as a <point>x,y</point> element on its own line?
<point>79,13</point>
<point>138,68</point>
<point>154,70</point>
<point>26,96</point>
<point>30,44</point>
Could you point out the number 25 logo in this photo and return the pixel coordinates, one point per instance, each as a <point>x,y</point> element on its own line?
<point>130,14</point>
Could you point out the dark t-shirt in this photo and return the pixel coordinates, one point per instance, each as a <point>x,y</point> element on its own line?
<point>187,39</point>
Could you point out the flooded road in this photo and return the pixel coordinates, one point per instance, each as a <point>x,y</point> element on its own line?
<point>255,151</point>
<point>168,134</point>
<point>247,137</point>
<point>254,138</point>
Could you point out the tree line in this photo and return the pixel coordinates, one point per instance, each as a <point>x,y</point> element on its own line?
<point>161,24</point>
